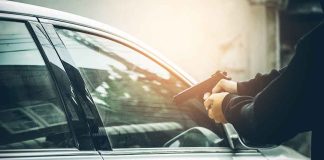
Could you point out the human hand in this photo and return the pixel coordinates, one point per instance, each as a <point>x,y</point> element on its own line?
<point>225,85</point>
<point>213,104</point>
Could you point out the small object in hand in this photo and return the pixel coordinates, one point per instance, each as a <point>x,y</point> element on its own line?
<point>198,90</point>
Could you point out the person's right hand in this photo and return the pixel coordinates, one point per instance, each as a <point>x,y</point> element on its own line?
<point>225,85</point>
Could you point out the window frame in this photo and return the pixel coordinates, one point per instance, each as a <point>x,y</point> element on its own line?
<point>113,37</point>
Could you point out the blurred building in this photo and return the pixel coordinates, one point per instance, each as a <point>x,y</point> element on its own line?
<point>240,36</point>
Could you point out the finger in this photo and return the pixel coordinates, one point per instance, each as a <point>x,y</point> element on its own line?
<point>207,103</point>
<point>226,75</point>
<point>206,95</point>
<point>214,115</point>
<point>218,88</point>
<point>219,118</point>
<point>210,114</point>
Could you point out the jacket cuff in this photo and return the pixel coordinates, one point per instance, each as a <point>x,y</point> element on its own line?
<point>243,88</point>
<point>226,100</point>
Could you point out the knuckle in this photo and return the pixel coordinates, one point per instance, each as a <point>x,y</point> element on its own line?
<point>210,114</point>
<point>206,95</point>
<point>222,82</point>
<point>207,103</point>
<point>214,89</point>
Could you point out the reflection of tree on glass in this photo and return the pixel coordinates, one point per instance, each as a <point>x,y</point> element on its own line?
<point>31,113</point>
<point>127,87</point>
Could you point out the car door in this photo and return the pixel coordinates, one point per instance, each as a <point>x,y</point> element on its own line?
<point>129,94</point>
<point>39,117</point>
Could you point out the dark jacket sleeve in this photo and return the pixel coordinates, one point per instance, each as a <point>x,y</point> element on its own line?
<point>259,82</point>
<point>285,106</point>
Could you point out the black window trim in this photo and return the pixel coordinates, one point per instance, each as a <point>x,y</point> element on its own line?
<point>78,125</point>
<point>83,97</point>
<point>49,64</point>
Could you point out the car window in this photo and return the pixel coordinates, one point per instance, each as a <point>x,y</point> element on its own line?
<point>31,114</point>
<point>132,93</point>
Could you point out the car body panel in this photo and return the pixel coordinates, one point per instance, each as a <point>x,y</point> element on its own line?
<point>189,156</point>
<point>187,153</point>
<point>69,154</point>
<point>281,152</point>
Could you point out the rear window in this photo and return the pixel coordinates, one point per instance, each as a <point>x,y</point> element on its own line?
<point>31,114</point>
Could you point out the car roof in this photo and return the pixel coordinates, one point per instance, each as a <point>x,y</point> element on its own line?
<point>47,13</point>
<point>51,14</point>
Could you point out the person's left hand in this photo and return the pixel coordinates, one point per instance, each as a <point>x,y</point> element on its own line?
<point>213,104</point>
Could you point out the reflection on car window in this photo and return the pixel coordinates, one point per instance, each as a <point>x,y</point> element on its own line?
<point>31,115</point>
<point>132,93</point>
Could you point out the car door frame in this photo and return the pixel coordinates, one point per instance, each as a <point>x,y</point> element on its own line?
<point>75,75</point>
<point>50,26</point>
<point>84,148</point>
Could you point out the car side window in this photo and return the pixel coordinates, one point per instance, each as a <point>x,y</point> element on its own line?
<point>132,93</point>
<point>31,113</point>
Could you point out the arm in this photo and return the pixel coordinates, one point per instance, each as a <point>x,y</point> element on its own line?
<point>289,104</point>
<point>259,82</point>
<point>283,108</point>
<point>247,88</point>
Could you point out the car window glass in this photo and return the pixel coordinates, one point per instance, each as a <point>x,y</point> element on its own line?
<point>132,93</point>
<point>31,114</point>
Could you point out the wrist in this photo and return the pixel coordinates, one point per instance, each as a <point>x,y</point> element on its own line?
<point>232,86</point>
<point>226,101</point>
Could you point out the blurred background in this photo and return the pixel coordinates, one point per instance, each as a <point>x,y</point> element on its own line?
<point>243,37</point>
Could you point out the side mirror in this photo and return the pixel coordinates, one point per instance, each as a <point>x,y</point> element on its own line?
<point>237,142</point>
<point>195,137</point>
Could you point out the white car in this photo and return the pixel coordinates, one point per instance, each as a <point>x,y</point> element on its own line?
<point>73,88</point>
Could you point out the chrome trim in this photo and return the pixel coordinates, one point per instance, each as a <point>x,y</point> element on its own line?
<point>140,151</point>
<point>17,17</point>
<point>45,153</point>
<point>38,150</point>
<point>186,156</point>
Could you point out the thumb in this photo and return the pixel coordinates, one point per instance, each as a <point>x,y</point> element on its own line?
<point>219,87</point>
<point>206,95</point>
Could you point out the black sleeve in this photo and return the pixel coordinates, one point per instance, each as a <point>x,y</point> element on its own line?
<point>285,106</point>
<point>255,85</point>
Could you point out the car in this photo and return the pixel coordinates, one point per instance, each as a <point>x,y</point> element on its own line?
<point>74,88</point>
